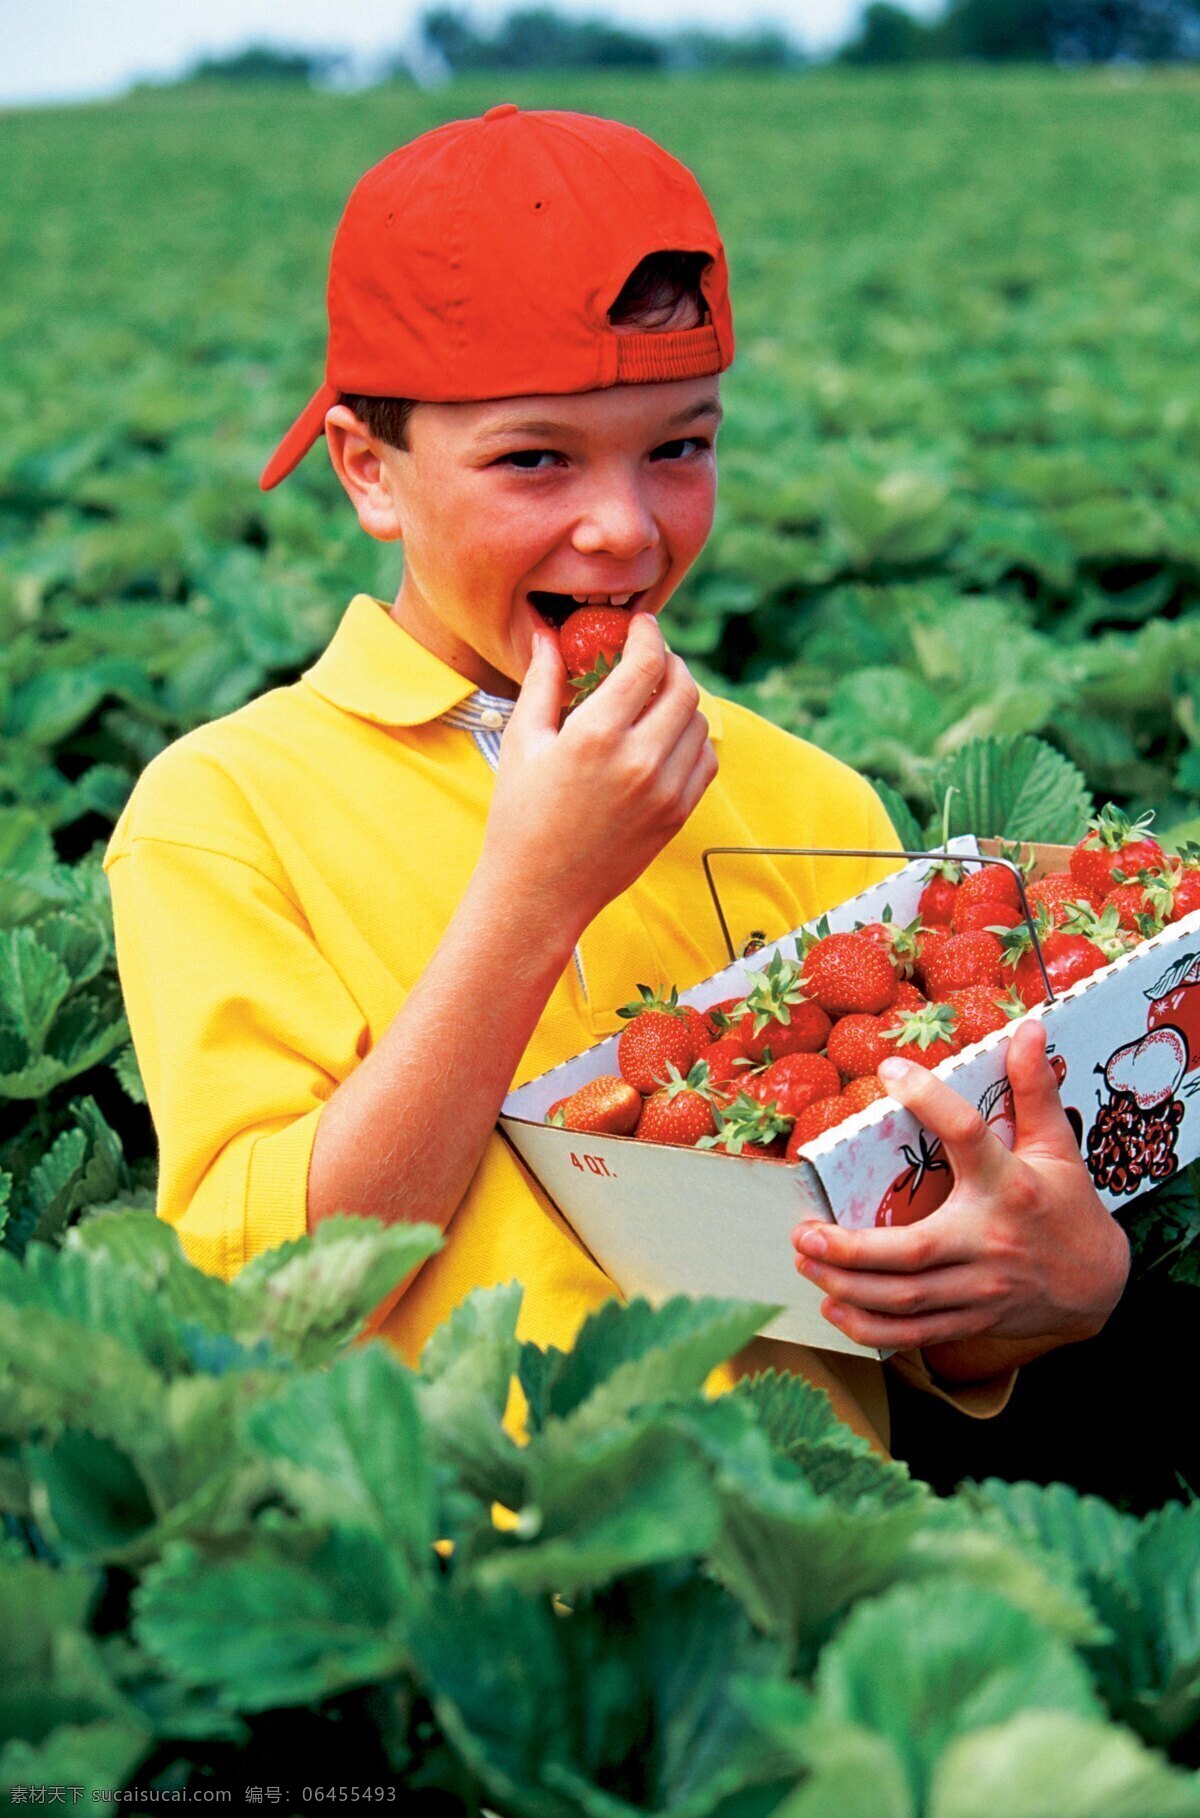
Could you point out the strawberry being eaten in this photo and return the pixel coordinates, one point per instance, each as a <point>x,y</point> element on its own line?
<point>591,638</point>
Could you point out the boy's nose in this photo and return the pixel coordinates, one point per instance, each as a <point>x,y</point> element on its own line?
<point>619,522</point>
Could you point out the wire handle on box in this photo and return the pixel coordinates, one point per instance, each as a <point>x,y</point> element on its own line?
<point>957,858</point>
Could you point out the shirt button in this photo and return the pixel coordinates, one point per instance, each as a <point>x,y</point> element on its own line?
<point>491,719</point>
<point>498,113</point>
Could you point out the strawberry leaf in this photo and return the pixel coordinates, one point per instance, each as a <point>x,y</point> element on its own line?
<point>1013,789</point>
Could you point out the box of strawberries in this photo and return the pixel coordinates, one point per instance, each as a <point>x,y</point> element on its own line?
<point>684,1151</point>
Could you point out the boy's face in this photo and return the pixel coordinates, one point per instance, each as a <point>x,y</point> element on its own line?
<point>500,503</point>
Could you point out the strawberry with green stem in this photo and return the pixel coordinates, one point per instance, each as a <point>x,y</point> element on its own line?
<point>659,1036</point>
<point>591,642</point>
<point>1058,893</point>
<point>794,1083</point>
<point>1080,946</point>
<point>724,1016</point>
<point>1143,907</point>
<point>926,1037</point>
<point>845,974</point>
<point>981,1010</point>
<point>748,1128</point>
<point>900,943</point>
<point>681,1111</point>
<point>935,906</point>
<point>778,1015</point>
<point>1185,876</point>
<point>1115,843</point>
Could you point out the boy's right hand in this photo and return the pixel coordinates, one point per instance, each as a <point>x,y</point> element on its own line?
<point>579,813</point>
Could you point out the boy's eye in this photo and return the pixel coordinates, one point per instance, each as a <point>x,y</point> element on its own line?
<point>528,460</point>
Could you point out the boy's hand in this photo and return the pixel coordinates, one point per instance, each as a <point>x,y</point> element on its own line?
<point>1022,1250</point>
<point>580,812</point>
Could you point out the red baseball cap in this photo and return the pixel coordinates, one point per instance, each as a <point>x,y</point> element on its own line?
<point>481,260</point>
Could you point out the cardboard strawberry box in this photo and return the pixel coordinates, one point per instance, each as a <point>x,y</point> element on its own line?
<point>663,1220</point>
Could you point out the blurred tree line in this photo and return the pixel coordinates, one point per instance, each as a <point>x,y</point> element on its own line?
<point>1063,31</point>
<point>451,43</point>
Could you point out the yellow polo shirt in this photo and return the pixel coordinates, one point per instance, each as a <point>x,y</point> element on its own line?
<point>281,878</point>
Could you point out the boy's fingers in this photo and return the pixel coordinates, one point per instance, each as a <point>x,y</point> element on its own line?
<point>938,1241</point>
<point>928,1291</point>
<point>888,1332</point>
<point>1037,1108</point>
<point>539,704</point>
<point>622,695</point>
<point>974,1151</point>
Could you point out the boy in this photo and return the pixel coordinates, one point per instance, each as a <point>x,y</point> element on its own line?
<point>349,915</point>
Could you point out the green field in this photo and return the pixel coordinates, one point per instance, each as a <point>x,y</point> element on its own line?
<point>963,434</point>
<point>957,543</point>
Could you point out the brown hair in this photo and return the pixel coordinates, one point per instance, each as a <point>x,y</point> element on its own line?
<point>662,291</point>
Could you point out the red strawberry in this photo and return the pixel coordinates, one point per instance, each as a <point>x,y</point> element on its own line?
<point>826,1114</point>
<point>989,912</point>
<point>922,1188</point>
<point>681,1112</point>
<point>1057,892</point>
<point>900,944</point>
<point>964,960</point>
<point>980,1010</point>
<point>1114,845</point>
<point>697,1022</point>
<point>795,1082</point>
<point>659,1036</point>
<point>857,1044</point>
<point>750,1129</point>
<point>908,997</point>
<point>1142,908</point>
<point>1068,957</point>
<point>724,1016</point>
<point>863,1092</point>
<point>1187,896</point>
<point>607,1106</point>
<point>929,942</point>
<point>1185,880</point>
<point>936,903</point>
<point>778,1016</point>
<point>1083,944</point>
<point>806,1033</point>
<point>726,1061</point>
<point>927,1036</point>
<point>991,884</point>
<point>847,974</point>
<point>591,642</point>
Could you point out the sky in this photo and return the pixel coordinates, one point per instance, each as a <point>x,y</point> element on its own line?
<point>74,50</point>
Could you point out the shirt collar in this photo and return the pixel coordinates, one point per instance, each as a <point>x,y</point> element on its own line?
<point>373,668</point>
<point>376,670</point>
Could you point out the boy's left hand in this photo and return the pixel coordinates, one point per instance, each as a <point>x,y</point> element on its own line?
<point>1022,1249</point>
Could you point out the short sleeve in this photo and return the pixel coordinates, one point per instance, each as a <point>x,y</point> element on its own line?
<point>981,1400</point>
<point>242,1030</point>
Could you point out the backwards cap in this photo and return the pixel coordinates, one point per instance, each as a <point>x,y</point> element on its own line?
<point>480,261</point>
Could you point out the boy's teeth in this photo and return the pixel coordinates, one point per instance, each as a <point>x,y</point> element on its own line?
<point>601,599</point>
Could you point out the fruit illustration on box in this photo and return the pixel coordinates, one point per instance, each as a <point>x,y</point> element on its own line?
<point>1175,1000</point>
<point>1132,1141</point>
<point>924,1185</point>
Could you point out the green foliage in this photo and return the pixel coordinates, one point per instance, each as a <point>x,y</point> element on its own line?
<point>723,1608</point>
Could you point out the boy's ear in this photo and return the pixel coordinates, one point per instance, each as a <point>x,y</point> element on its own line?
<point>360,464</point>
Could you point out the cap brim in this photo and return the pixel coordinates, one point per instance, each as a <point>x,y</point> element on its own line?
<point>309,425</point>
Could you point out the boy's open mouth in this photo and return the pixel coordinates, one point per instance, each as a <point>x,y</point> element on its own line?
<point>556,608</point>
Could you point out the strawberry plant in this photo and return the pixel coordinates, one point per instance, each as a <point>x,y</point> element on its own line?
<point>694,1606</point>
